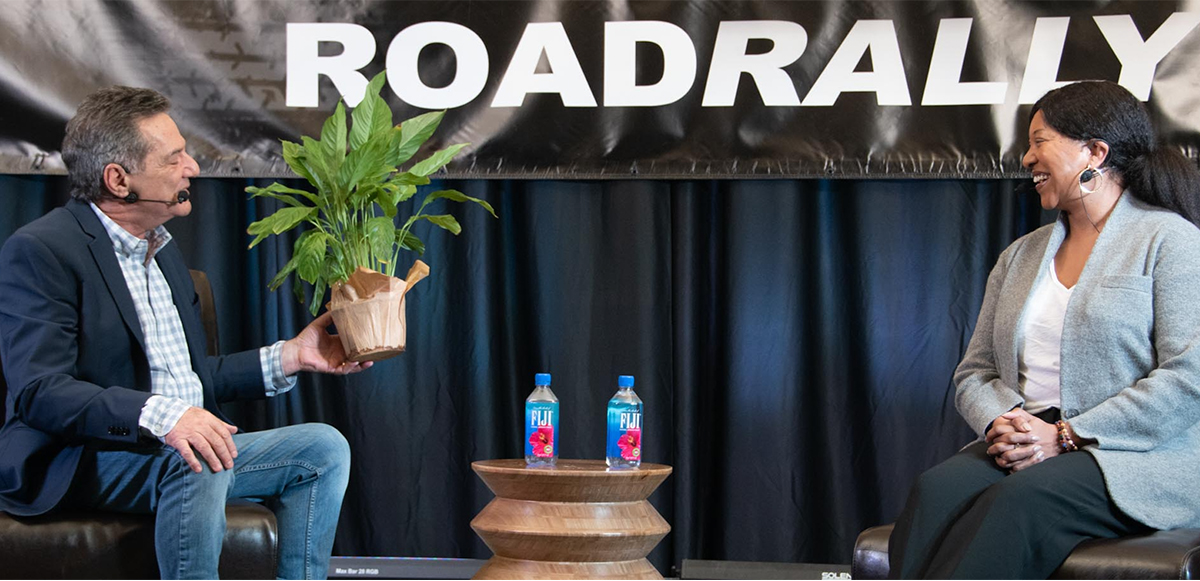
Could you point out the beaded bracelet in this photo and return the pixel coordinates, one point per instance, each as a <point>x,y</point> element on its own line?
<point>1065,442</point>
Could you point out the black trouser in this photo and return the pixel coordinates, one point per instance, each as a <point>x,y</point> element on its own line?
<point>967,518</point>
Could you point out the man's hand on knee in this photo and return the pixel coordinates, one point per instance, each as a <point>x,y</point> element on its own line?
<point>199,430</point>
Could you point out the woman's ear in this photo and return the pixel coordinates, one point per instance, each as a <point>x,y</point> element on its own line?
<point>1098,150</point>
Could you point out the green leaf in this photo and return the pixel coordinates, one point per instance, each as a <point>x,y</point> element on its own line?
<point>381,231</point>
<point>407,178</point>
<point>414,133</point>
<point>436,161</point>
<point>388,199</point>
<point>281,193</point>
<point>367,164</point>
<point>318,297</point>
<point>283,220</point>
<point>278,187</point>
<point>372,116</point>
<point>400,187</point>
<point>314,160</point>
<point>410,242</point>
<point>298,290</point>
<point>364,195</point>
<point>282,275</point>
<point>333,139</point>
<point>258,239</point>
<point>280,221</point>
<point>294,155</point>
<point>309,254</point>
<point>335,262</point>
<point>458,196</point>
<point>444,221</point>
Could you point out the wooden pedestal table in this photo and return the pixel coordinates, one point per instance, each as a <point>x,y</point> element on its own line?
<point>578,520</point>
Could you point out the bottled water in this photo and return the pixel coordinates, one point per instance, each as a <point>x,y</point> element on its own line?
<point>541,424</point>
<point>624,426</point>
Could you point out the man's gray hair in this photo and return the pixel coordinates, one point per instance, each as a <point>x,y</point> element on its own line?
<point>105,130</point>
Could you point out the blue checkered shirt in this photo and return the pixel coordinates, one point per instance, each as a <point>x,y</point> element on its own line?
<point>173,381</point>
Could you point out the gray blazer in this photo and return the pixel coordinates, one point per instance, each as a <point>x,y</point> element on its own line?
<point>1130,361</point>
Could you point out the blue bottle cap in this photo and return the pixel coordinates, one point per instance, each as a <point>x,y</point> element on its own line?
<point>624,381</point>
<point>541,379</point>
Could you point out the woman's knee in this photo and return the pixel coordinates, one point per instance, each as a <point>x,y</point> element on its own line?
<point>949,478</point>
<point>955,481</point>
<point>1016,491</point>
<point>929,485</point>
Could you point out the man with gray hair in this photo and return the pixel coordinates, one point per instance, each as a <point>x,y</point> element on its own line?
<point>112,402</point>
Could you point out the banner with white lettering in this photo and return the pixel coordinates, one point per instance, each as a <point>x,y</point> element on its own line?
<point>605,89</point>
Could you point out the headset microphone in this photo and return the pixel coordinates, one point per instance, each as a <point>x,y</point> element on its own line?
<point>181,197</point>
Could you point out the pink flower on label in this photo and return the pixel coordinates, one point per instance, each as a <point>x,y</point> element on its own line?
<point>630,444</point>
<point>542,442</point>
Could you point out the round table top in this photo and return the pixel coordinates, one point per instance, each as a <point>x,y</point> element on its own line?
<point>598,468</point>
<point>570,480</point>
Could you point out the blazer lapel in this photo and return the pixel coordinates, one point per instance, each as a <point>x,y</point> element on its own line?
<point>1122,213</point>
<point>183,292</point>
<point>106,262</point>
<point>1026,271</point>
<point>170,261</point>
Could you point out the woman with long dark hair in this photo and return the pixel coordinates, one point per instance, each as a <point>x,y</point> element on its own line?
<point>1083,374</point>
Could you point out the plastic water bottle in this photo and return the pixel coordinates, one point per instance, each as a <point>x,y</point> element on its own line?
<point>541,424</point>
<point>624,426</point>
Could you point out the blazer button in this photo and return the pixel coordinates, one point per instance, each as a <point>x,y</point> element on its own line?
<point>1069,413</point>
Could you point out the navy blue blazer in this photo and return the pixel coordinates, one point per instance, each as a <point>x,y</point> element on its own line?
<point>74,356</point>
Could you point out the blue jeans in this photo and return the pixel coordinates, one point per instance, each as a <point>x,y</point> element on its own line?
<point>300,472</point>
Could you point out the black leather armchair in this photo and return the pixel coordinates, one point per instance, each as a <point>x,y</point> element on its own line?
<point>1161,555</point>
<point>100,545</point>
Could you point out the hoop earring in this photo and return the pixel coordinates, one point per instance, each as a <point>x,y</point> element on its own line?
<point>1087,175</point>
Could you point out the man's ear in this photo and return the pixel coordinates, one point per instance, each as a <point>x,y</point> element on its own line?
<point>116,180</point>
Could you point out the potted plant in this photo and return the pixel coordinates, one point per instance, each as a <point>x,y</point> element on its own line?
<point>351,243</point>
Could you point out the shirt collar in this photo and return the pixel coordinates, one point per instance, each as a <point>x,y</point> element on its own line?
<point>129,245</point>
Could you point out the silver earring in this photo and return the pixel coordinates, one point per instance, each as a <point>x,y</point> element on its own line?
<point>1088,175</point>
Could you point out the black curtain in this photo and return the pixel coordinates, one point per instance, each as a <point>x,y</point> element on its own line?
<point>793,342</point>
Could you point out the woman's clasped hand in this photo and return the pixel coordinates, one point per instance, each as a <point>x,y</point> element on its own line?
<point>1019,440</point>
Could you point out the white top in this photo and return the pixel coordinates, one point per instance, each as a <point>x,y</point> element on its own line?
<point>1040,343</point>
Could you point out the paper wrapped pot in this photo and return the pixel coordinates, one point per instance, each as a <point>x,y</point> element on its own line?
<point>368,310</point>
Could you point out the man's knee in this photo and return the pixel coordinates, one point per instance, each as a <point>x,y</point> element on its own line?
<point>325,447</point>
<point>180,478</point>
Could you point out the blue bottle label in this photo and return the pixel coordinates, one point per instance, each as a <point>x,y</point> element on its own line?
<point>541,429</point>
<point>625,432</point>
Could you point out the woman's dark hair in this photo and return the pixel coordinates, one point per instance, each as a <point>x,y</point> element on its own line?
<point>1106,111</point>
